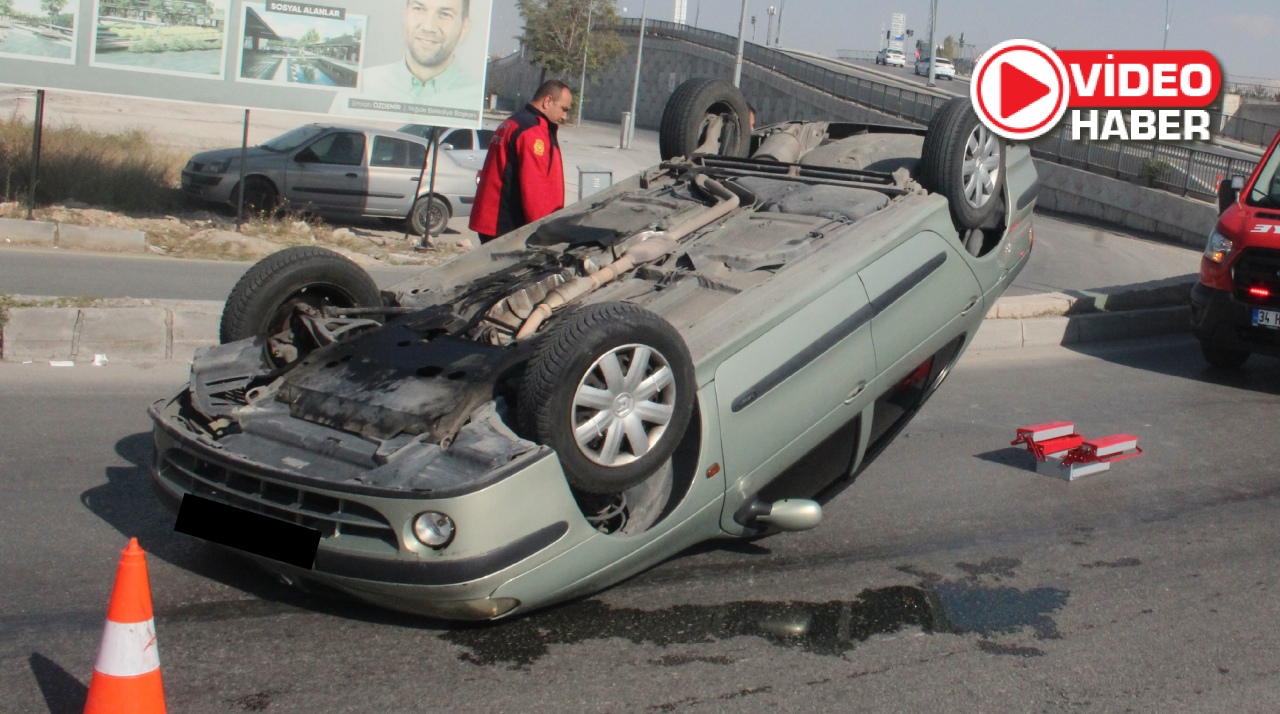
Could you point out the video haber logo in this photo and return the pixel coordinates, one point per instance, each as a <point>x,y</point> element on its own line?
<point>1021,89</point>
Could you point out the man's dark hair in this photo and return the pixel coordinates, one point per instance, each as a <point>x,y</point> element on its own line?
<point>466,7</point>
<point>550,88</point>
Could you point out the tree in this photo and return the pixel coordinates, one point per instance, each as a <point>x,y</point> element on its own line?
<point>310,37</point>
<point>52,7</point>
<point>555,32</point>
<point>949,48</point>
<point>6,7</point>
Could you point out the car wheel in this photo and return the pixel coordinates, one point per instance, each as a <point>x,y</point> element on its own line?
<point>690,112</point>
<point>963,161</point>
<point>429,216</point>
<point>259,195</point>
<point>265,301</point>
<point>611,389</point>
<point>1223,357</point>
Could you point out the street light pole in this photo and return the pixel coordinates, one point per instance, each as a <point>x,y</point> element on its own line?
<point>768,30</point>
<point>582,86</point>
<point>742,37</point>
<point>635,86</point>
<point>777,40</point>
<point>1168,18</point>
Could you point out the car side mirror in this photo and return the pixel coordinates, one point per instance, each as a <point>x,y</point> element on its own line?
<point>446,147</point>
<point>306,156</point>
<point>1228,191</point>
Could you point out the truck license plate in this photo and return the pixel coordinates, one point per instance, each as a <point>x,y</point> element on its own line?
<point>1266,318</point>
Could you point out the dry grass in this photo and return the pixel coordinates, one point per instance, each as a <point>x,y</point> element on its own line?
<point>124,171</point>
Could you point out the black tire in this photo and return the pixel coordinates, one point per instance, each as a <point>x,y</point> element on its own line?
<point>262,302</point>
<point>419,224</point>
<point>260,195</point>
<point>1223,357</point>
<point>567,363</point>
<point>687,111</point>
<point>947,150</point>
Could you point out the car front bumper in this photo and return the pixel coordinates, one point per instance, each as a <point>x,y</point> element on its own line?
<point>208,187</point>
<point>367,548</point>
<point>1219,319</point>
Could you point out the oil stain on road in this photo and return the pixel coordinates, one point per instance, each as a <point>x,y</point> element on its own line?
<point>936,605</point>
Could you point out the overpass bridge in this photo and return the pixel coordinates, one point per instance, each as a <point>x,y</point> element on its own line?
<point>784,85</point>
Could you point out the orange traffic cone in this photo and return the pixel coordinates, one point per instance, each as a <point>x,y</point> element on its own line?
<point>126,677</point>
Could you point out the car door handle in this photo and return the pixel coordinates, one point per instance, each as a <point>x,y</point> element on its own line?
<point>972,301</point>
<point>353,175</point>
<point>856,391</point>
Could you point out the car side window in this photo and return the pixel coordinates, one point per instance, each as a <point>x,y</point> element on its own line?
<point>459,139</point>
<point>344,148</point>
<point>397,153</point>
<point>485,137</point>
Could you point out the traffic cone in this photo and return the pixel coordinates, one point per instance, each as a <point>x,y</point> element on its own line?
<point>126,677</point>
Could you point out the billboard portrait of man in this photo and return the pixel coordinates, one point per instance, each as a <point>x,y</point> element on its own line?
<point>431,76</point>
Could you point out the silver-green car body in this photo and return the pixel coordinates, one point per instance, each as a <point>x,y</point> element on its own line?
<point>803,330</point>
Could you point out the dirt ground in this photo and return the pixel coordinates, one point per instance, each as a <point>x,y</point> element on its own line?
<point>206,231</point>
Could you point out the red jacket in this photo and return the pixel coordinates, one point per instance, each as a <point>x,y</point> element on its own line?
<point>523,178</point>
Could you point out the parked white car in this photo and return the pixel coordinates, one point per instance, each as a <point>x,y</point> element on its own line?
<point>942,68</point>
<point>891,58</point>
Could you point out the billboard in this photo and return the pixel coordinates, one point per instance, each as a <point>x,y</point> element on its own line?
<point>420,61</point>
<point>897,28</point>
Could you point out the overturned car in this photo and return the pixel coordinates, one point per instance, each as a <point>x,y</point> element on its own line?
<point>708,349</point>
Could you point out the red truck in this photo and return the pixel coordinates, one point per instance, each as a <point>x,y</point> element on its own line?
<point>1235,306</point>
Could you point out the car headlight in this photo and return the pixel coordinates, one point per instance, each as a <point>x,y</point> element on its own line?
<point>218,167</point>
<point>434,530</point>
<point>1219,247</point>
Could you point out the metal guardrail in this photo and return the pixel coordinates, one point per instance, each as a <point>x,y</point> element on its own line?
<point>1176,169</point>
<point>908,104</point>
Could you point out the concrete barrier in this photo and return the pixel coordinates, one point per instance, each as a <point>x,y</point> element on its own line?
<point>1080,193</point>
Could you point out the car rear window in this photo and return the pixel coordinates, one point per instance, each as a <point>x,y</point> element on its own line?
<point>459,139</point>
<point>397,153</point>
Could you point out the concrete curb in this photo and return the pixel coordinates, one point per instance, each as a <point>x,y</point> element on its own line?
<point>130,330</point>
<point>123,330</point>
<point>66,235</point>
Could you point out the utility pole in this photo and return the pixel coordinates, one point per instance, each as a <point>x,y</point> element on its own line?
<point>933,47</point>
<point>635,86</point>
<point>582,86</point>
<point>742,38</point>
<point>753,28</point>
<point>768,32</point>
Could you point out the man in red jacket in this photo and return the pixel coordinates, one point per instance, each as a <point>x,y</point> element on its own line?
<point>523,178</point>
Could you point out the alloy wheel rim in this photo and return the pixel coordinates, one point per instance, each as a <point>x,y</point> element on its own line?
<point>981,168</point>
<point>623,405</point>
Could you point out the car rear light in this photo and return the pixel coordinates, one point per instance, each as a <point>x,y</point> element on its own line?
<point>1260,292</point>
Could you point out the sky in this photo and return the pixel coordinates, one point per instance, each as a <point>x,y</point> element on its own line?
<point>1242,34</point>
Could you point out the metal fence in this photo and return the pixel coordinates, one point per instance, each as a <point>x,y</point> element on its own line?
<point>857,55</point>
<point>1244,130</point>
<point>1175,169</point>
<point>1186,172</point>
<point>908,104</point>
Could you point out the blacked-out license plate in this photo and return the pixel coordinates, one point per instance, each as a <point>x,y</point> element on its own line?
<point>248,531</point>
